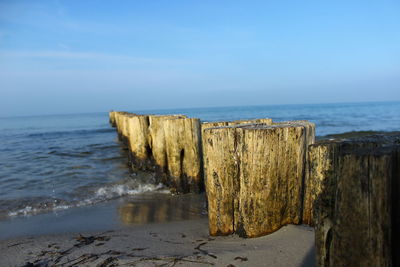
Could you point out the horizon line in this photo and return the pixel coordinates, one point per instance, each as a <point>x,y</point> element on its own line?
<point>188,108</point>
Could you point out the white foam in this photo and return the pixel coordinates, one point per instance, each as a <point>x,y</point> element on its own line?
<point>122,190</point>
<point>102,194</point>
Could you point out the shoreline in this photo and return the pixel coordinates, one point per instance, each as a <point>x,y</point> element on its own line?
<point>172,228</point>
<point>106,233</point>
<point>179,243</point>
<point>126,212</point>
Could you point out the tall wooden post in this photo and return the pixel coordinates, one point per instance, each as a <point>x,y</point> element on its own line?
<point>206,125</point>
<point>354,211</point>
<point>322,157</point>
<point>111,116</point>
<point>221,168</point>
<point>183,154</point>
<point>157,144</point>
<point>256,174</point>
<point>138,139</point>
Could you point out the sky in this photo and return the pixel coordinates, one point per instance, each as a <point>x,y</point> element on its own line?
<point>78,56</point>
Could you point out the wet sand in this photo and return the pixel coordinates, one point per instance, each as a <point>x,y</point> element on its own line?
<point>183,243</point>
<point>146,230</point>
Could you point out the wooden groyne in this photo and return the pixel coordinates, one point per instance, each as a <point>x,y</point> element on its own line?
<point>354,188</point>
<point>169,145</point>
<point>254,176</point>
<point>260,175</point>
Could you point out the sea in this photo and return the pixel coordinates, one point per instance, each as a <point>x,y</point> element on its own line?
<point>53,163</point>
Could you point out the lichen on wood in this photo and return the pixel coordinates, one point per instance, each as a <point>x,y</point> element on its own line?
<point>255,172</point>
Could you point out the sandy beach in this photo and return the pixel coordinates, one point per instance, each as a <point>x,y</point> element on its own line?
<point>144,230</point>
<point>180,243</point>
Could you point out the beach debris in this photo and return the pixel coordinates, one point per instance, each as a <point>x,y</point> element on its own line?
<point>113,252</point>
<point>205,252</point>
<point>30,264</point>
<point>106,262</point>
<point>85,258</point>
<point>87,240</point>
<point>170,260</point>
<point>241,258</point>
<point>138,249</point>
<point>16,244</point>
<point>153,234</point>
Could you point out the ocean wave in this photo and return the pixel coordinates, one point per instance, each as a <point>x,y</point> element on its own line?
<point>30,210</point>
<point>122,190</point>
<point>82,197</point>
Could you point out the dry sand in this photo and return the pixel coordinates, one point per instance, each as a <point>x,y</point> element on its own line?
<point>181,243</point>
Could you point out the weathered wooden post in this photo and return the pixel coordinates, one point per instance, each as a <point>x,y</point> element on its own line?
<point>353,213</point>
<point>322,157</point>
<point>157,144</point>
<point>221,169</point>
<point>120,124</point>
<point>355,188</point>
<point>124,127</point>
<point>111,116</point>
<point>138,141</point>
<point>266,121</point>
<point>183,154</point>
<point>396,207</point>
<point>273,162</point>
<point>116,115</point>
<point>205,125</point>
<point>255,176</point>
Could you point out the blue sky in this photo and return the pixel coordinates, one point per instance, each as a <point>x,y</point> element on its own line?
<point>87,56</point>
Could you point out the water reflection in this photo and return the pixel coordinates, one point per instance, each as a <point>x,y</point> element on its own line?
<point>158,207</point>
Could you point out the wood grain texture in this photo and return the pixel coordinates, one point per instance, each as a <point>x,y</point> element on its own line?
<point>355,208</point>
<point>156,140</point>
<point>119,122</point>
<point>205,125</point>
<point>322,156</point>
<point>257,172</point>
<point>271,178</point>
<point>138,142</point>
<point>183,154</point>
<point>220,169</point>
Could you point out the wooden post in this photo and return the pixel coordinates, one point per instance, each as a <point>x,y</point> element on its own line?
<point>255,176</point>
<point>396,207</point>
<point>353,212</point>
<point>221,167</point>
<point>111,116</point>
<point>206,125</point>
<point>354,201</point>
<point>157,144</point>
<point>124,126</point>
<point>183,154</point>
<point>138,139</point>
<point>266,121</point>
<point>322,157</point>
<point>272,167</point>
<point>120,125</point>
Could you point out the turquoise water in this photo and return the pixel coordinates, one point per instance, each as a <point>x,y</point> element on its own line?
<point>51,163</point>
